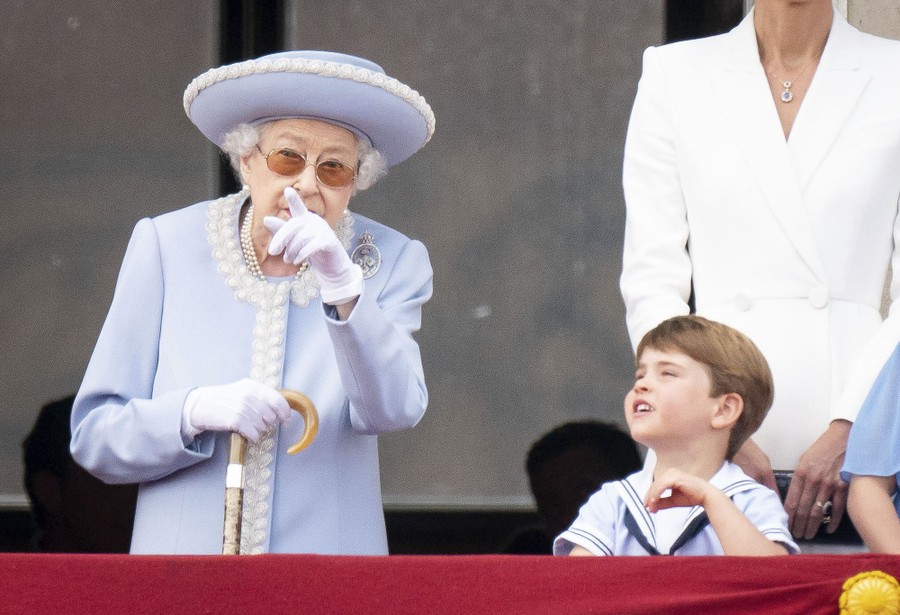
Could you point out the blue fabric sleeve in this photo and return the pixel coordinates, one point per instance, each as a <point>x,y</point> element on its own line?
<point>378,358</point>
<point>874,445</point>
<point>119,433</point>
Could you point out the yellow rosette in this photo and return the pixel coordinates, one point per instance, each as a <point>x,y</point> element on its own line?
<point>870,593</point>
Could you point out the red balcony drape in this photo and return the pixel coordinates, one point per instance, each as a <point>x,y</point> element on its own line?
<point>802,584</point>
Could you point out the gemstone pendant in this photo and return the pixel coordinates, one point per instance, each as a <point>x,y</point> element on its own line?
<point>787,96</point>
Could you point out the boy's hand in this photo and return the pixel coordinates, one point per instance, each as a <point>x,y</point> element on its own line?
<point>735,531</point>
<point>686,490</point>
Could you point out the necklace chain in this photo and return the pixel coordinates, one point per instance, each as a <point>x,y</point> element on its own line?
<point>787,96</point>
<point>250,253</point>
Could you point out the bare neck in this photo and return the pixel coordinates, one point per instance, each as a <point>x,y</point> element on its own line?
<point>791,33</point>
<point>699,460</point>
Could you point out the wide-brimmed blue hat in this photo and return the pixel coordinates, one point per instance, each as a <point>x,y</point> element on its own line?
<point>333,87</point>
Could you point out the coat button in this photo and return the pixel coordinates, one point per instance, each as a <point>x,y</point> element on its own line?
<point>742,302</point>
<point>818,298</point>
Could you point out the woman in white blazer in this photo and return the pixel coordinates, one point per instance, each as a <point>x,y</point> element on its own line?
<point>762,174</point>
<point>220,304</point>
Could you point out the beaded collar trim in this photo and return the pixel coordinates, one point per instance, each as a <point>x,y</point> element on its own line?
<point>267,360</point>
<point>222,233</point>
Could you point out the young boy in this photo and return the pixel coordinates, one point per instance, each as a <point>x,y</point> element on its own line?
<point>701,389</point>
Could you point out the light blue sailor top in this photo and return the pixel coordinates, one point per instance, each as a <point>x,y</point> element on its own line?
<point>614,520</point>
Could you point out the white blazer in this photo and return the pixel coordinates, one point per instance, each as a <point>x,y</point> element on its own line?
<point>788,241</point>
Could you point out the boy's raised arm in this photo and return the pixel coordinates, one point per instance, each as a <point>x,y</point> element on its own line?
<point>735,531</point>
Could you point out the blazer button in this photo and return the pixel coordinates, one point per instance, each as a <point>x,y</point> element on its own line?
<point>742,302</point>
<point>818,298</point>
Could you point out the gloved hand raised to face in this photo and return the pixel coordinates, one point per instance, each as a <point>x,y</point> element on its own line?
<point>307,237</point>
<point>247,407</point>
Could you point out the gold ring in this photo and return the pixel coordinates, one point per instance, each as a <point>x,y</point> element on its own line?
<point>826,511</point>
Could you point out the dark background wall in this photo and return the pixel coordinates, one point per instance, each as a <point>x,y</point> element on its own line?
<point>93,138</point>
<point>517,197</point>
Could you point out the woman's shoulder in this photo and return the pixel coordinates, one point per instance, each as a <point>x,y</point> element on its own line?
<point>396,254</point>
<point>382,235</point>
<point>176,225</point>
<point>690,56</point>
<point>696,46</point>
<point>879,52</point>
<point>184,228</point>
<point>362,223</point>
<point>185,215</point>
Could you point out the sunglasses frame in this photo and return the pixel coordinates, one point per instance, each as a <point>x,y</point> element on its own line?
<point>306,164</point>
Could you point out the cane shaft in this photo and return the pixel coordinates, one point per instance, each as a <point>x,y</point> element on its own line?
<point>234,478</point>
<point>234,495</point>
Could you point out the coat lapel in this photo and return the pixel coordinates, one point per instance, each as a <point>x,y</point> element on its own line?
<point>744,98</point>
<point>832,96</point>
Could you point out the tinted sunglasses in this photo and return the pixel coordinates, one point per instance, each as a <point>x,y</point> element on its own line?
<point>289,163</point>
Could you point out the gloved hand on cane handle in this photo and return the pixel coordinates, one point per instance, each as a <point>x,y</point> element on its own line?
<point>308,237</point>
<point>247,407</point>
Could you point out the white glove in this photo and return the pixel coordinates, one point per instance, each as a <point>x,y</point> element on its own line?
<point>247,407</point>
<point>307,237</point>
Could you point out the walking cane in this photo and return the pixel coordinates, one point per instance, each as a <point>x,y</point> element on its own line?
<point>234,476</point>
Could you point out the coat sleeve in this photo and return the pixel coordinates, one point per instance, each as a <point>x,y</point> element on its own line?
<point>378,359</point>
<point>878,350</point>
<point>120,432</point>
<point>656,268</point>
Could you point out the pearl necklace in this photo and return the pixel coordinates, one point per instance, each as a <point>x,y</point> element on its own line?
<point>250,253</point>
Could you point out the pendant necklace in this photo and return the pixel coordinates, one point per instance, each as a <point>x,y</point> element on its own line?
<point>787,96</point>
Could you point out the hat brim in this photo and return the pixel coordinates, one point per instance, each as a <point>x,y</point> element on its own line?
<point>395,119</point>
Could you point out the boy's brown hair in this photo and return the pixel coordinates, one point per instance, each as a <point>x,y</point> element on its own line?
<point>734,363</point>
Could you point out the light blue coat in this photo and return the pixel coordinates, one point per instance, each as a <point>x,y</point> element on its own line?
<point>186,313</point>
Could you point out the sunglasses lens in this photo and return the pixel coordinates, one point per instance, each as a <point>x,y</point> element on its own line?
<point>330,172</point>
<point>286,162</point>
<point>335,174</point>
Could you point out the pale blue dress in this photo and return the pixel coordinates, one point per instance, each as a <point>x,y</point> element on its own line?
<point>874,445</point>
<point>187,313</point>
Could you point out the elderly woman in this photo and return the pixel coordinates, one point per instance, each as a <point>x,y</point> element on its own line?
<point>278,286</point>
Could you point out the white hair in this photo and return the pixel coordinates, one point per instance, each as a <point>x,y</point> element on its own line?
<point>370,166</point>
<point>240,142</point>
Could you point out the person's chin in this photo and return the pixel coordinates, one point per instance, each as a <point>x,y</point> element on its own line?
<point>642,436</point>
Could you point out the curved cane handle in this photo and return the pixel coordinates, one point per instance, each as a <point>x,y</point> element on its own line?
<point>302,404</point>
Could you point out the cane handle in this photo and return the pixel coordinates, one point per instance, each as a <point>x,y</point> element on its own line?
<point>302,404</point>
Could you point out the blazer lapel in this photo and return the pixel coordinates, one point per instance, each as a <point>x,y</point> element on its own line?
<point>745,100</point>
<point>832,96</point>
